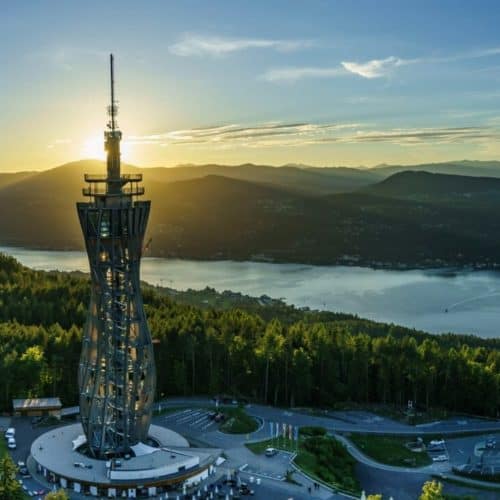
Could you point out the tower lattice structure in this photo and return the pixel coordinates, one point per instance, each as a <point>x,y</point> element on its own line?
<point>116,373</point>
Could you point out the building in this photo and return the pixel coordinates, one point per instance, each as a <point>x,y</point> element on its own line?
<point>117,373</point>
<point>37,407</point>
<point>148,472</point>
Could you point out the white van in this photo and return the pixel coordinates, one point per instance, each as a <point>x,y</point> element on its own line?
<point>10,433</point>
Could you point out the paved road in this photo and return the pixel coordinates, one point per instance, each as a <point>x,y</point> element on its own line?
<point>193,422</point>
<point>399,482</point>
<point>355,421</point>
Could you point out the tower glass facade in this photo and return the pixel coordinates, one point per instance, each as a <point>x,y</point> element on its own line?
<point>116,373</point>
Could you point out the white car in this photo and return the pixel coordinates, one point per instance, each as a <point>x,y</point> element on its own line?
<point>10,433</point>
<point>440,458</point>
<point>437,442</point>
<point>270,452</point>
<point>11,444</point>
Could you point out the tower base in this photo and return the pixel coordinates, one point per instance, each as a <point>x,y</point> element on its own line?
<point>151,472</point>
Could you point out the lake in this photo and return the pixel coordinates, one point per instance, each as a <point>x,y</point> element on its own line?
<point>431,300</point>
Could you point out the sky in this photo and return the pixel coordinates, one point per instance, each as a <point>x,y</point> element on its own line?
<point>326,83</point>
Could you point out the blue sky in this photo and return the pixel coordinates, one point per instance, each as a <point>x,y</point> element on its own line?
<point>317,82</point>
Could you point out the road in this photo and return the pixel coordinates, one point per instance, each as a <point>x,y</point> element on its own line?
<point>406,482</point>
<point>193,422</point>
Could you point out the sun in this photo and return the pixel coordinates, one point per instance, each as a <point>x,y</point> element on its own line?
<point>93,148</point>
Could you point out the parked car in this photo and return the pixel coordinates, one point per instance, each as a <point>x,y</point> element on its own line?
<point>10,433</point>
<point>11,443</point>
<point>440,458</point>
<point>491,442</point>
<point>270,452</point>
<point>219,417</point>
<point>23,470</point>
<point>437,442</point>
<point>245,490</point>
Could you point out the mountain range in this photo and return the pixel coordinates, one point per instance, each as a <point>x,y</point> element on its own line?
<point>381,216</point>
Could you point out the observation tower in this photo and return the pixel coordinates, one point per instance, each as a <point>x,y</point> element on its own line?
<point>115,452</point>
<point>116,374</point>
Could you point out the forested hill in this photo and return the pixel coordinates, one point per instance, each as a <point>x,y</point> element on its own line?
<point>437,187</point>
<point>274,354</point>
<point>463,167</point>
<point>412,219</point>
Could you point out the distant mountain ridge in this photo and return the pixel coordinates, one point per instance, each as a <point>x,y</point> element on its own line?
<point>474,168</point>
<point>421,182</point>
<point>284,214</point>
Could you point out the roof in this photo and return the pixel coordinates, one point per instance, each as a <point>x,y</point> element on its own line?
<point>70,411</point>
<point>54,450</point>
<point>36,403</point>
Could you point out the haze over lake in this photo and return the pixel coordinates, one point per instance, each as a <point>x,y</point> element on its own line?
<point>435,301</point>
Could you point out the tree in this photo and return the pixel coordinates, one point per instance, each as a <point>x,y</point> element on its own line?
<point>57,495</point>
<point>432,490</point>
<point>10,489</point>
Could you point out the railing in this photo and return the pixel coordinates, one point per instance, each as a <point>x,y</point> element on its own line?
<point>124,178</point>
<point>132,191</point>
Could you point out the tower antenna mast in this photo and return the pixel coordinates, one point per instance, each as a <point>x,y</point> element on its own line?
<point>113,105</point>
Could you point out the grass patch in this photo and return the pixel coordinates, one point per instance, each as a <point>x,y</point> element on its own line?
<point>311,431</point>
<point>321,457</point>
<point>327,459</point>
<point>3,447</point>
<point>390,450</point>
<point>237,421</point>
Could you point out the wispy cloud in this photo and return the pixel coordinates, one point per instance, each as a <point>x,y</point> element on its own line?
<point>65,57</point>
<point>445,135</point>
<point>376,68</point>
<point>292,74</point>
<point>302,134</point>
<point>235,134</point>
<point>200,45</point>
<point>59,142</point>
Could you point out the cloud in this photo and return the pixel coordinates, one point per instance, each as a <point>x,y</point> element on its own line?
<point>266,134</point>
<point>59,142</point>
<point>279,134</point>
<point>199,45</point>
<point>293,74</point>
<point>445,135</point>
<point>376,68</point>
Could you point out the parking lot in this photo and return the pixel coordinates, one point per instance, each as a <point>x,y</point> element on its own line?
<point>197,420</point>
<point>25,434</point>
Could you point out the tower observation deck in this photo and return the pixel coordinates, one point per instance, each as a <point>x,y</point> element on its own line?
<point>116,374</point>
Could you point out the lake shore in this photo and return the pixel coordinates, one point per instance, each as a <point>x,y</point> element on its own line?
<point>434,300</point>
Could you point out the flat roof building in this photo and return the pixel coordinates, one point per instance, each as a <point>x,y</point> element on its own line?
<point>37,407</point>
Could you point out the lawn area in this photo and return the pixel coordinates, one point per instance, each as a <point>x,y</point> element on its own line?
<point>237,421</point>
<point>3,446</point>
<point>321,457</point>
<point>390,450</point>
